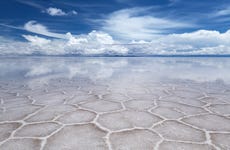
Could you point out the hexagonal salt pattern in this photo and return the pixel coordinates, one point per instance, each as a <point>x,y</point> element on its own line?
<point>81,98</point>
<point>139,104</point>
<point>79,114</point>
<point>134,140</point>
<point>210,122</point>
<point>115,97</point>
<point>127,119</point>
<point>37,129</point>
<point>16,102</point>
<point>50,112</point>
<point>174,130</point>
<point>50,98</point>
<point>183,100</point>
<point>187,93</point>
<point>102,106</point>
<point>142,96</point>
<point>18,113</point>
<point>168,113</point>
<point>184,108</point>
<point>77,137</point>
<point>212,100</point>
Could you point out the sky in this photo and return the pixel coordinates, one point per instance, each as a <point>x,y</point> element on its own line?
<point>115,27</point>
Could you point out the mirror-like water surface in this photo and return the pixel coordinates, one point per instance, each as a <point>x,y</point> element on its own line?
<point>99,68</point>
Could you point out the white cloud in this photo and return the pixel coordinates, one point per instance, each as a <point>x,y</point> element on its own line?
<point>223,12</point>
<point>94,43</point>
<point>93,37</point>
<point>34,27</point>
<point>134,23</point>
<point>200,38</point>
<point>55,12</point>
<point>35,40</point>
<point>59,12</point>
<point>102,43</point>
<point>73,12</point>
<point>199,42</point>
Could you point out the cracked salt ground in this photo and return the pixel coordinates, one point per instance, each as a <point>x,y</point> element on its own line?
<point>134,140</point>
<point>21,144</point>
<point>210,122</point>
<point>174,130</point>
<point>139,104</point>
<point>128,112</point>
<point>115,97</point>
<point>77,137</point>
<point>37,129</point>
<point>221,140</point>
<point>6,129</point>
<point>102,106</point>
<point>127,119</point>
<point>78,116</point>
<point>168,113</point>
<point>168,145</point>
<point>223,109</point>
<point>84,119</point>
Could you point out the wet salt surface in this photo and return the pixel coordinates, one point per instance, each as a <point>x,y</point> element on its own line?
<point>114,103</point>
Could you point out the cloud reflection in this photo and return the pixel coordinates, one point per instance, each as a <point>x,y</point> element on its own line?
<point>114,68</point>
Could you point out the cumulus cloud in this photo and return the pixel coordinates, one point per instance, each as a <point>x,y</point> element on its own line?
<point>102,43</point>
<point>93,37</point>
<point>35,40</point>
<point>137,23</point>
<point>94,43</point>
<point>55,12</point>
<point>194,43</point>
<point>52,11</point>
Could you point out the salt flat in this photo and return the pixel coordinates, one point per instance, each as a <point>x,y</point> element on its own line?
<point>67,103</point>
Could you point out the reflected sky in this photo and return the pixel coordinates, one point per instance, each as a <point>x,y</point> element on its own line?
<point>197,69</point>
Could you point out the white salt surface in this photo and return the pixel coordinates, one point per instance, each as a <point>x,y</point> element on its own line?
<point>101,103</point>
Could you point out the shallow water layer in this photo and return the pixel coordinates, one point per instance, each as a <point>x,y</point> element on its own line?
<point>68,103</point>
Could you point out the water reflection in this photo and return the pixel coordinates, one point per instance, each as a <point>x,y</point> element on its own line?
<point>154,69</point>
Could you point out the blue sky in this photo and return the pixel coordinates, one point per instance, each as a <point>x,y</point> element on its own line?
<point>85,26</point>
